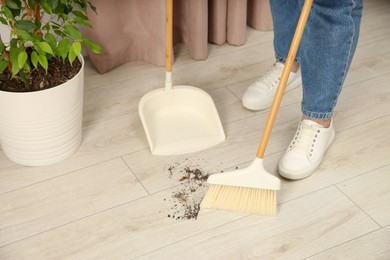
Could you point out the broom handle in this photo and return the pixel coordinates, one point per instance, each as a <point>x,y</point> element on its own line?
<point>285,74</point>
<point>168,35</point>
<point>168,44</point>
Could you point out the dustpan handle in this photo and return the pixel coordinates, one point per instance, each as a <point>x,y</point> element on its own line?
<point>168,43</point>
<point>284,78</point>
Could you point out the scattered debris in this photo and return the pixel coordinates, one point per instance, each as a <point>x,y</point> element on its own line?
<point>189,191</point>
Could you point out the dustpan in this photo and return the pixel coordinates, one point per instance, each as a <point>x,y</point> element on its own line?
<point>179,119</point>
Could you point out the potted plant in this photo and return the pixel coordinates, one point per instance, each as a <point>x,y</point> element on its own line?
<point>42,79</point>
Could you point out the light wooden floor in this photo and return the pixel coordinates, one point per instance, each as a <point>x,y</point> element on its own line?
<point>111,200</point>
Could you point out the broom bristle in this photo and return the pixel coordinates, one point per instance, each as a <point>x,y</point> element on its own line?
<point>242,199</point>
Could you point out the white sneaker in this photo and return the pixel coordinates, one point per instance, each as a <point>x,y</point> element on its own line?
<point>261,93</point>
<point>305,152</point>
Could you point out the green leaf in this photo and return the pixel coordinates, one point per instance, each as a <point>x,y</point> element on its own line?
<point>80,15</point>
<point>82,22</point>
<point>43,61</point>
<point>15,70</point>
<point>76,47</point>
<point>22,58</point>
<point>52,41</point>
<point>12,4</point>
<point>3,21</point>
<point>39,50</point>
<point>81,4</point>
<point>14,52</point>
<point>53,4</point>
<point>16,12</point>
<point>7,13</point>
<point>24,78</point>
<point>71,56</point>
<point>26,25</point>
<point>24,35</point>
<point>46,7</point>
<point>73,32</point>
<point>60,9</point>
<point>27,66</point>
<point>65,17</point>
<point>34,59</point>
<point>63,48</point>
<point>35,37</point>
<point>67,8</point>
<point>45,47</point>
<point>95,48</point>
<point>31,3</point>
<point>3,65</point>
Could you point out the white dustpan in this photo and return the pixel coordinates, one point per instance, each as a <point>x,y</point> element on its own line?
<point>179,119</point>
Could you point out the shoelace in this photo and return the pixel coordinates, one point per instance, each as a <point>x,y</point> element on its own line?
<point>269,77</point>
<point>305,138</point>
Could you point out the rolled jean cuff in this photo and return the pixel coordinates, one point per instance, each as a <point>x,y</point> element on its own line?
<point>283,59</point>
<point>317,115</point>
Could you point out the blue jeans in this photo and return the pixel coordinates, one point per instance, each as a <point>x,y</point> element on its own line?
<point>326,50</point>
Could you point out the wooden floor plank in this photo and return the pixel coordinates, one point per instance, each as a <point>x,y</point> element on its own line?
<point>43,206</point>
<point>123,232</point>
<point>304,227</point>
<point>371,192</point>
<point>374,246</point>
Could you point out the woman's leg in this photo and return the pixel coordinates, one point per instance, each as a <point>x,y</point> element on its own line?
<point>326,52</point>
<point>260,94</point>
<point>285,15</point>
<point>327,47</point>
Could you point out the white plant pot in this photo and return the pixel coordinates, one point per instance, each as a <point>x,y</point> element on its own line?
<point>42,127</point>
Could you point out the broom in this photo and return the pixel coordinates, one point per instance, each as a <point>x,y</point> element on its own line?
<point>253,189</point>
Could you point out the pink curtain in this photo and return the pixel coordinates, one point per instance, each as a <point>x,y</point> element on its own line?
<point>131,30</point>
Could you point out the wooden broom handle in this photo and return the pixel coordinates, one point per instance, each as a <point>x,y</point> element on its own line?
<point>168,35</point>
<point>285,74</point>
